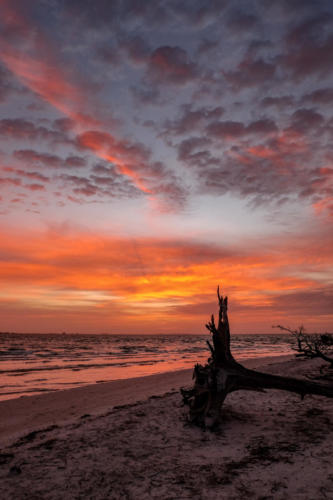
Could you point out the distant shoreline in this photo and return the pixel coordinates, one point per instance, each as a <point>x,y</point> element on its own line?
<point>60,334</point>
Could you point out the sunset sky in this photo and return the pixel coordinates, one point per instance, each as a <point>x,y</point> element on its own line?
<point>150,150</point>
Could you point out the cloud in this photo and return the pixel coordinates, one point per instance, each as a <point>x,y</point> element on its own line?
<point>319,299</point>
<point>197,14</point>
<point>146,94</point>
<point>23,173</point>
<point>43,74</point>
<point>304,120</point>
<point>134,160</point>
<point>35,187</point>
<point>64,125</point>
<point>249,73</point>
<point>192,119</point>
<point>6,85</point>
<point>229,129</point>
<point>279,101</point>
<point>108,14</point>
<point>10,180</point>
<point>206,46</point>
<point>226,129</point>
<point>239,21</point>
<point>20,128</point>
<point>261,164</point>
<point>308,48</point>
<point>32,157</point>
<point>171,65</point>
<point>103,141</point>
<point>190,151</point>
<point>319,96</point>
<point>110,185</point>
<point>136,48</point>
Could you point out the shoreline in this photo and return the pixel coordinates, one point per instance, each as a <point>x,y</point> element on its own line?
<point>25,414</point>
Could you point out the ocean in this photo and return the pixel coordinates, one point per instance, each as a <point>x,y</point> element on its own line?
<point>36,363</point>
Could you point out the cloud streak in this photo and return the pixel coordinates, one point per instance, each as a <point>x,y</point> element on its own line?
<point>43,75</point>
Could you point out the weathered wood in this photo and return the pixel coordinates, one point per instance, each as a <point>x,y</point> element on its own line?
<point>223,374</point>
<point>312,346</point>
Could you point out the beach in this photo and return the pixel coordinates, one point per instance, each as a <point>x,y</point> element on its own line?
<point>130,439</point>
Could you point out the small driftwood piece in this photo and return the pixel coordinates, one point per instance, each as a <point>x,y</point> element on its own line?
<point>312,346</point>
<point>223,374</point>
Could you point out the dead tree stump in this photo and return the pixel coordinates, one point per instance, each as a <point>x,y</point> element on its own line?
<point>223,374</point>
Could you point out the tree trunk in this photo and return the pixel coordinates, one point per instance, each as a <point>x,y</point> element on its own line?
<point>223,374</point>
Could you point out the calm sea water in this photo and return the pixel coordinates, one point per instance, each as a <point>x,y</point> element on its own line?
<point>36,363</point>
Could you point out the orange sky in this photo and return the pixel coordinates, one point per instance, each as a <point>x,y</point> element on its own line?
<point>70,280</point>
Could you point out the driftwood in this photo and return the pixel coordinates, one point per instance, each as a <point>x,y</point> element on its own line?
<point>223,374</point>
<point>312,346</point>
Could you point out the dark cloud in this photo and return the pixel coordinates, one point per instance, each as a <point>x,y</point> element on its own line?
<point>81,185</point>
<point>239,21</point>
<point>310,30</point>
<point>319,299</point>
<point>197,13</point>
<point>32,157</point>
<point>75,162</point>
<point>250,73</point>
<point>226,129</point>
<point>136,48</point>
<point>109,54</point>
<point>91,14</point>
<point>115,14</point>
<point>102,169</point>
<point>134,160</point>
<point>303,120</point>
<point>274,167</point>
<point>19,128</point>
<point>171,65</point>
<point>206,45</point>
<point>309,60</point>
<point>256,181</point>
<point>231,129</point>
<point>319,96</point>
<point>192,119</point>
<point>6,85</point>
<point>106,14</point>
<point>100,187</point>
<point>23,173</point>
<point>190,151</point>
<point>309,46</point>
<point>64,124</point>
<point>12,29</point>
<point>280,102</point>
<point>130,48</point>
<point>263,126</point>
<point>145,94</point>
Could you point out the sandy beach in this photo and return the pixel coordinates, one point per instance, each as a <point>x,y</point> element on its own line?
<point>129,439</point>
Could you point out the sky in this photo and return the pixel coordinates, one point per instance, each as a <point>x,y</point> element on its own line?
<point>151,150</point>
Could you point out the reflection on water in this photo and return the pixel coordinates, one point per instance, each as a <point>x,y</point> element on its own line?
<point>35,363</point>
